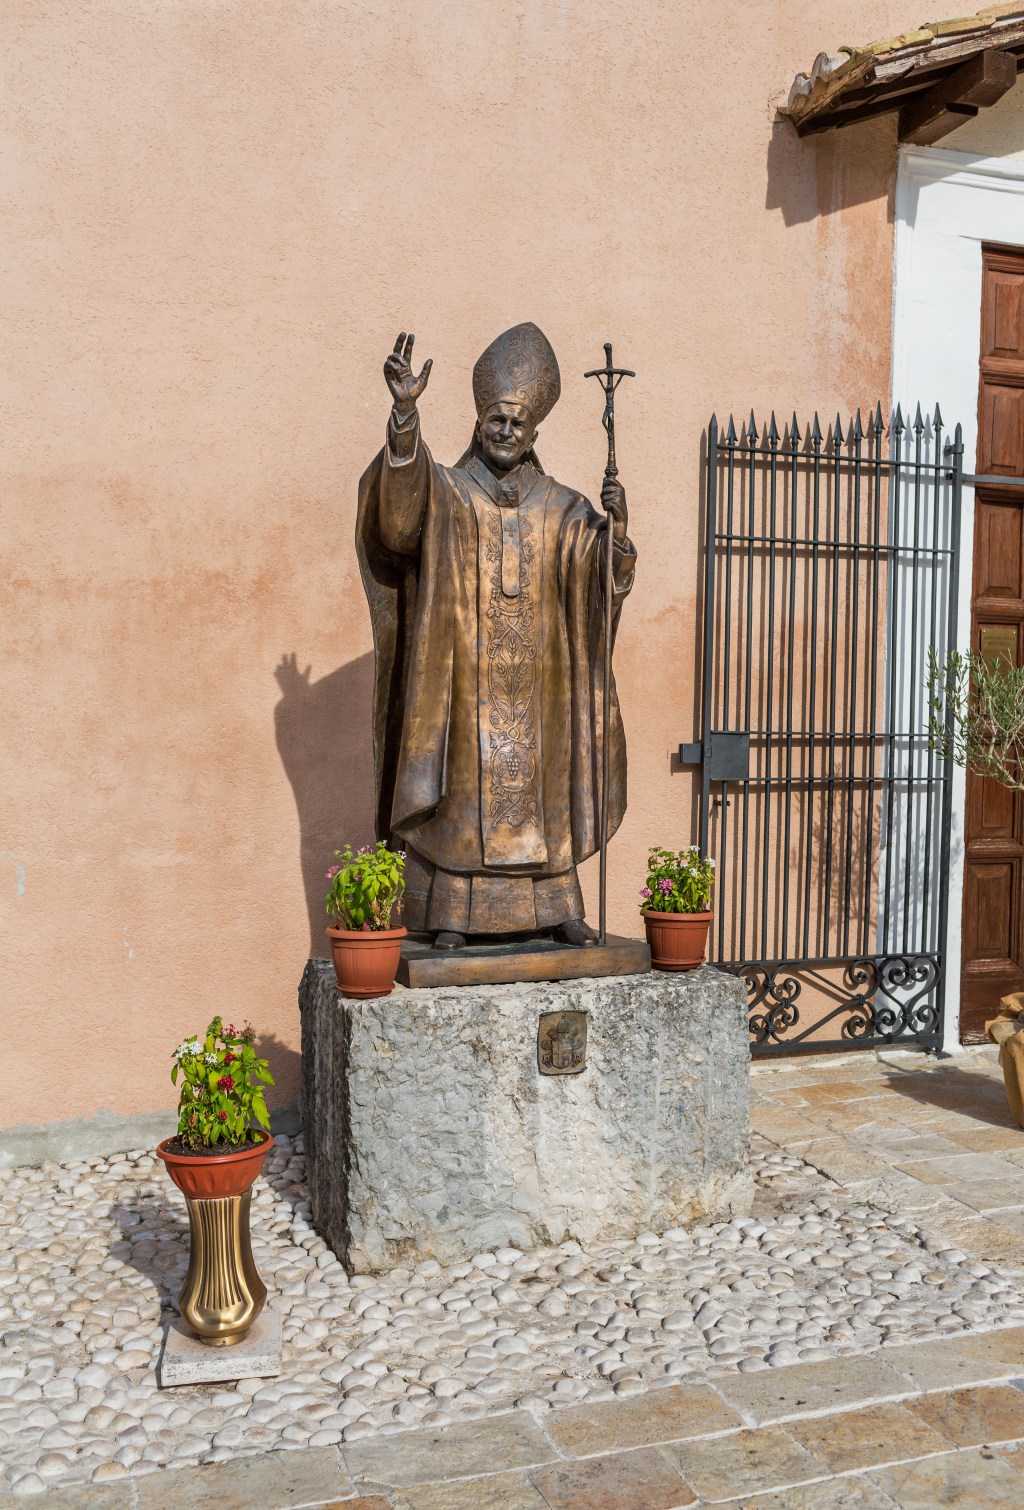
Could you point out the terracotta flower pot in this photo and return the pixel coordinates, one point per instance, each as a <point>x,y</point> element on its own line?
<point>366,961</point>
<point>222,1294</point>
<point>677,939</point>
<point>213,1177</point>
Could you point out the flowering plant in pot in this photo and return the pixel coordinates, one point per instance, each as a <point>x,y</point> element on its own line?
<point>363,902</point>
<point>676,907</point>
<point>214,1159</point>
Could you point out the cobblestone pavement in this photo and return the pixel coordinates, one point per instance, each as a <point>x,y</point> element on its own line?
<point>883,1261</point>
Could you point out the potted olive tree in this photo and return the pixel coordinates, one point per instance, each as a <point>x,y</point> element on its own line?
<point>214,1159</point>
<point>977,714</point>
<point>363,903</point>
<point>977,719</point>
<point>675,903</point>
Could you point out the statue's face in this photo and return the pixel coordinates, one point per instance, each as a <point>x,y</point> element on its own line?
<point>506,434</point>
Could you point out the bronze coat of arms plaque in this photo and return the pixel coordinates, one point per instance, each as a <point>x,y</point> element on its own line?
<point>562,1043</point>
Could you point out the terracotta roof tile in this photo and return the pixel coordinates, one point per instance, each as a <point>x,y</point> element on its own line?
<point>933,45</point>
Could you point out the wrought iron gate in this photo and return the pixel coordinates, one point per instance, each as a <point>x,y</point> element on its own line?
<point>831,568</point>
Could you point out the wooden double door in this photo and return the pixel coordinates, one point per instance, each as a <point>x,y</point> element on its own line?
<point>993,916</point>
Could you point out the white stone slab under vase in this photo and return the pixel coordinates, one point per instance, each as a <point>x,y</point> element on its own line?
<point>437,1124</point>
<point>186,1360</point>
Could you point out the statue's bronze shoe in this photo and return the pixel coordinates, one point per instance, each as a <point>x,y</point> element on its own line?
<point>448,940</point>
<point>577,932</point>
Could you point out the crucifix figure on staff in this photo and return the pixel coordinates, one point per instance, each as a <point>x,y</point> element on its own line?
<point>495,594</point>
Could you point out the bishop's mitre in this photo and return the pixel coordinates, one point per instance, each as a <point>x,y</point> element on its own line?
<point>519,367</point>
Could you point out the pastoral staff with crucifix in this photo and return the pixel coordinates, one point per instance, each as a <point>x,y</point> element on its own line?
<point>486,586</point>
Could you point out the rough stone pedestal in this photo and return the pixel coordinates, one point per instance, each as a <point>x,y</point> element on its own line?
<point>430,1131</point>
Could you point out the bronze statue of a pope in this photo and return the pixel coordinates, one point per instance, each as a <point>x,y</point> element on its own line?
<point>486,593</point>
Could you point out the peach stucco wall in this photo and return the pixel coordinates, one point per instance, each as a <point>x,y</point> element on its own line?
<point>216,214</point>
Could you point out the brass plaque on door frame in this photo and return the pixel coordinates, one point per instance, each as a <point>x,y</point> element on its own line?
<point>999,643</point>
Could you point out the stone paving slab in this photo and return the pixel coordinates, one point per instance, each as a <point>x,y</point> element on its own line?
<point>965,1171</point>
<point>457,1451</point>
<point>643,1476</point>
<point>974,1417</point>
<point>1002,1140</point>
<point>999,1240</point>
<point>814,1388</point>
<point>745,1461</point>
<point>988,1356</point>
<point>1013,1452</point>
<point>836,1159</point>
<point>867,1437</point>
<point>119,1495</point>
<point>901,1192</point>
<point>502,1491</point>
<point>973,1480</point>
<point>788,1128</point>
<point>990,1196</point>
<point>271,1481</point>
<point>857,1493</point>
<point>667,1415</point>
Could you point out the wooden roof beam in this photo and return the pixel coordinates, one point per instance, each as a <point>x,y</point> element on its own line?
<point>979,82</point>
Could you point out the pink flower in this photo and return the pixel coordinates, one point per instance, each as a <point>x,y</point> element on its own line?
<point>665,884</point>
<point>645,891</point>
<point>226,1083</point>
<point>333,872</point>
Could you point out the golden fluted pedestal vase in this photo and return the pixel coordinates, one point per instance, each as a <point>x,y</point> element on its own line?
<point>222,1294</point>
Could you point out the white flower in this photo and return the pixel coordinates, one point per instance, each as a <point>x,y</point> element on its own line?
<point>186,1049</point>
<point>211,1059</point>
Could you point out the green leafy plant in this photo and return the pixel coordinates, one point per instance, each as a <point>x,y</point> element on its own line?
<point>221,1098</point>
<point>677,882</point>
<point>977,714</point>
<point>366,888</point>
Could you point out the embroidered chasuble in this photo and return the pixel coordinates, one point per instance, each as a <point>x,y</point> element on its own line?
<point>487,603</point>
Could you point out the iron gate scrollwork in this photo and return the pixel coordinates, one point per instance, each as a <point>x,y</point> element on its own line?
<point>831,567</point>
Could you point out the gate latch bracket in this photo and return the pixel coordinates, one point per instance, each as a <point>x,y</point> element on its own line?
<point>725,757</point>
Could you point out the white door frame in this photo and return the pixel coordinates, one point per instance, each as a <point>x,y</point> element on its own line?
<point>947,204</point>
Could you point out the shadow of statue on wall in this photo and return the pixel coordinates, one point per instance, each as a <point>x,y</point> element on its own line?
<point>285,1066</point>
<point>323,731</point>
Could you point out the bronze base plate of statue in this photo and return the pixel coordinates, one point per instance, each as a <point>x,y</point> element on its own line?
<point>493,961</point>
<point>500,758</point>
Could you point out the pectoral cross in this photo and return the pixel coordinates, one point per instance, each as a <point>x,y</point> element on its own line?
<point>508,504</point>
